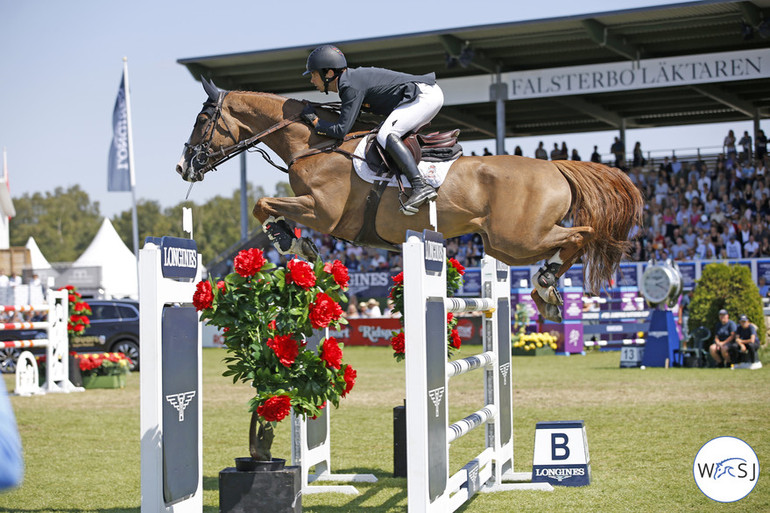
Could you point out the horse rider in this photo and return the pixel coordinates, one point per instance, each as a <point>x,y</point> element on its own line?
<point>408,101</point>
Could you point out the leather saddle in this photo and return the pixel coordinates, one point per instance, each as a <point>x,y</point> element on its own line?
<point>432,147</point>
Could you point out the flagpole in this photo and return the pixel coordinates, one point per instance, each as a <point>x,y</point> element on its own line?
<point>132,176</point>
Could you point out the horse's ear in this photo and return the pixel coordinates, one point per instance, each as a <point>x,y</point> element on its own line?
<point>211,90</point>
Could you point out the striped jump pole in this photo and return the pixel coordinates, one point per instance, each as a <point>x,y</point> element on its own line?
<point>429,432</point>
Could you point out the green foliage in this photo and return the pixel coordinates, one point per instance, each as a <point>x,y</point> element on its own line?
<point>454,280</point>
<point>264,306</point>
<point>729,287</point>
<point>63,222</point>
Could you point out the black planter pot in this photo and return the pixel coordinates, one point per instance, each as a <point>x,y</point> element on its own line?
<point>250,463</point>
<point>253,491</point>
<point>74,371</point>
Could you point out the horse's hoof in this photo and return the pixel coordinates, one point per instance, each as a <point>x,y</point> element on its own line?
<point>553,296</point>
<point>552,313</point>
<point>305,248</point>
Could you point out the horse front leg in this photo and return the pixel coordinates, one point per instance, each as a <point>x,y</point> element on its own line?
<point>272,213</point>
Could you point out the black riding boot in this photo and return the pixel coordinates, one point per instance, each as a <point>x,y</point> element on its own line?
<point>421,191</point>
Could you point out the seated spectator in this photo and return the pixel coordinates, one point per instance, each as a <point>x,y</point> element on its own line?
<point>751,248</point>
<point>724,339</point>
<point>351,312</point>
<point>373,308</point>
<point>746,340</point>
<point>362,310</point>
<point>679,249</point>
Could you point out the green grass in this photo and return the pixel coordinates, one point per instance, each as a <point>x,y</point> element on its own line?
<point>644,428</point>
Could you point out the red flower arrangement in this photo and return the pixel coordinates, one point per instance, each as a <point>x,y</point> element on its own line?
<point>103,364</point>
<point>266,313</point>
<point>454,280</point>
<point>79,311</point>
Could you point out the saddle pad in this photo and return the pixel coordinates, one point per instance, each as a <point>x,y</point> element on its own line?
<point>434,173</point>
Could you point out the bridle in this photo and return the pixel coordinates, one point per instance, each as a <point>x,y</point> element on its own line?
<point>202,154</point>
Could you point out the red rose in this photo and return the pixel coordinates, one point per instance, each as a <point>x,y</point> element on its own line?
<point>323,311</point>
<point>203,297</point>
<point>72,298</point>
<point>271,325</point>
<point>339,271</point>
<point>301,273</point>
<point>397,342</point>
<point>81,307</point>
<point>275,409</point>
<point>456,342</point>
<point>331,353</point>
<point>285,348</point>
<point>449,317</point>
<point>79,328</point>
<point>457,265</point>
<point>350,379</point>
<point>398,279</point>
<point>222,287</point>
<point>248,262</point>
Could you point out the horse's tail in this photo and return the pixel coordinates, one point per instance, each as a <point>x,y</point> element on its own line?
<point>605,199</point>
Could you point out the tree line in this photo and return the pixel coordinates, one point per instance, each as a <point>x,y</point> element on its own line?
<point>65,221</point>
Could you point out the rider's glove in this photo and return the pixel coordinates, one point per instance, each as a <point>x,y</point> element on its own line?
<point>308,115</point>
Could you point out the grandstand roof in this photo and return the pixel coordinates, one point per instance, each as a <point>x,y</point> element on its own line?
<point>589,39</point>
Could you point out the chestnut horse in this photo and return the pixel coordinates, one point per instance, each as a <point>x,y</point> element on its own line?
<point>516,204</point>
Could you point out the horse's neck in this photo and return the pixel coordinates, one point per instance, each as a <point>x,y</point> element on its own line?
<point>257,112</point>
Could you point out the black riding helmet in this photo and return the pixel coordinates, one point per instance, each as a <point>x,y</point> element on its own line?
<point>323,58</point>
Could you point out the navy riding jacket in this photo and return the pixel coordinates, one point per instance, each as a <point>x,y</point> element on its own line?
<point>377,90</point>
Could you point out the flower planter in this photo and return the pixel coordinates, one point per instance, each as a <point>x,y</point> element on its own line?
<point>253,491</point>
<point>539,351</point>
<point>114,381</point>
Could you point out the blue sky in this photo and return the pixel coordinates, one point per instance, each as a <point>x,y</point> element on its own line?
<point>61,65</point>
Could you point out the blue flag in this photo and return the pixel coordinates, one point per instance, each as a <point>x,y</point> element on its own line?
<point>118,171</point>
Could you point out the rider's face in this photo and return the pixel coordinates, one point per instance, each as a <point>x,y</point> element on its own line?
<point>315,79</point>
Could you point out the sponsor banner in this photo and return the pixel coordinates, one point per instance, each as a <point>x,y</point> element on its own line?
<point>377,331</point>
<point>371,284</point>
<point>519,275</point>
<point>178,258</point>
<point>763,270</point>
<point>471,286</point>
<point>628,276</point>
<point>687,270</point>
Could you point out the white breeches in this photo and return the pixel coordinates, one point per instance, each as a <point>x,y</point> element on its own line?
<point>414,114</point>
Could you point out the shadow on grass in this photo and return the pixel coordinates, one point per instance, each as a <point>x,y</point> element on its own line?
<point>69,510</point>
<point>394,488</point>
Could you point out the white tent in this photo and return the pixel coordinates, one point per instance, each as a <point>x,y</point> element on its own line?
<point>118,263</point>
<point>36,256</point>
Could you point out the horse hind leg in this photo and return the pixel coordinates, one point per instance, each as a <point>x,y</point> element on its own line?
<point>546,295</point>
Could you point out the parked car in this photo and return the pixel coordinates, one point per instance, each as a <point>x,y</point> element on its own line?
<point>114,328</point>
